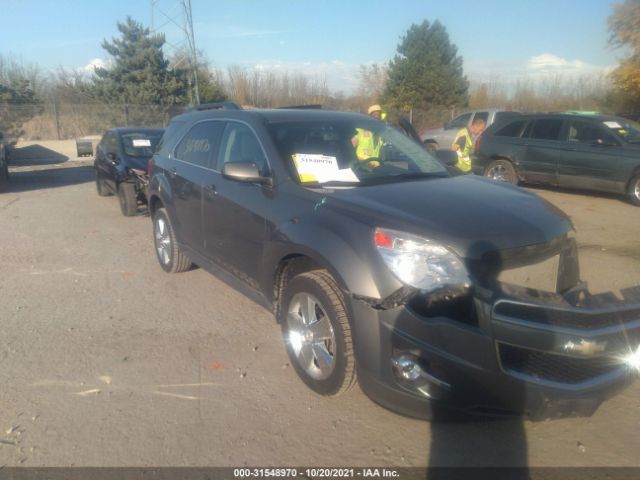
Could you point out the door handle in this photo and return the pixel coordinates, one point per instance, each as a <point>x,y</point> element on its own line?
<point>173,172</point>
<point>211,190</point>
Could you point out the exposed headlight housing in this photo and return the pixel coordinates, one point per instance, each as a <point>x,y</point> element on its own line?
<point>420,262</point>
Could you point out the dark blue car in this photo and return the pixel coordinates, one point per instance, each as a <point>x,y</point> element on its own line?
<point>121,164</point>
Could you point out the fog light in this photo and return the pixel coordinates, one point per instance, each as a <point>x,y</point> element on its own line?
<point>406,367</point>
<point>409,372</point>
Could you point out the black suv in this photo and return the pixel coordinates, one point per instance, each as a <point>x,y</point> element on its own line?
<point>593,152</point>
<point>121,164</point>
<point>388,271</point>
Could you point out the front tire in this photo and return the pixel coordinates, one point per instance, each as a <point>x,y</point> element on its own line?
<point>634,190</point>
<point>128,199</point>
<point>502,171</point>
<point>317,333</point>
<point>101,188</point>
<point>170,256</point>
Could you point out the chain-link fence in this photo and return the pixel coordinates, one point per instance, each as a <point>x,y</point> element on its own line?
<point>61,121</point>
<point>55,121</point>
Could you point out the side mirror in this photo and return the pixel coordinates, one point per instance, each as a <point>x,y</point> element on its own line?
<point>112,158</point>
<point>448,158</point>
<point>247,172</point>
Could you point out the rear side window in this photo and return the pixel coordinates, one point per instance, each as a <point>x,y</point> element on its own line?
<point>511,129</point>
<point>198,144</point>
<point>460,121</point>
<point>545,129</point>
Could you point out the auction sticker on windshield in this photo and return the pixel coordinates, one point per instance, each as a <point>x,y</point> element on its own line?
<point>141,142</point>
<point>321,168</point>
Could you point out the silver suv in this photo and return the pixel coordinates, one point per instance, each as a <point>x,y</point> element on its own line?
<point>443,137</point>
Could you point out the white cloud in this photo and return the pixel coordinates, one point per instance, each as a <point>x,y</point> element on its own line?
<point>89,68</point>
<point>340,76</point>
<point>536,67</point>
<point>547,62</point>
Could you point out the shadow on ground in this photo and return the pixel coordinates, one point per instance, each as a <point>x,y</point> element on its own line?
<point>35,155</point>
<point>28,180</point>
<point>619,197</point>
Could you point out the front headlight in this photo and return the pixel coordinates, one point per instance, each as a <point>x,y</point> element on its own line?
<point>419,262</point>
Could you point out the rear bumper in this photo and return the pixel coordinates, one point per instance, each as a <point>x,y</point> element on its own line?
<point>503,364</point>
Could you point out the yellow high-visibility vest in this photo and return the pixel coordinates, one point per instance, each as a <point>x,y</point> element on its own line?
<point>464,154</point>
<point>367,146</point>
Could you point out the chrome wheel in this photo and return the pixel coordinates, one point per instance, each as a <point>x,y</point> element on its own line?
<point>311,336</point>
<point>636,191</point>
<point>499,172</point>
<point>163,241</point>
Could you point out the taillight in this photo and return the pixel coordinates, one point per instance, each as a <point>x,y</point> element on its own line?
<point>149,166</point>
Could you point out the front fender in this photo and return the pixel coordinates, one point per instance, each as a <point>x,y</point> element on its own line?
<point>347,253</point>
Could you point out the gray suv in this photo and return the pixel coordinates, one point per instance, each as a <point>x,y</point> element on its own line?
<point>442,138</point>
<point>429,290</point>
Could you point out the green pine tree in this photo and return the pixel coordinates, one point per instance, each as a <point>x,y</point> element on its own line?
<point>139,72</point>
<point>427,71</point>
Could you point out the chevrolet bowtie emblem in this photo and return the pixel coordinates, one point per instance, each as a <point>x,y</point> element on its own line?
<point>585,347</point>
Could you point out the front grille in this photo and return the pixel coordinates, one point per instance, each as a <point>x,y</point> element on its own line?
<point>552,367</point>
<point>567,317</point>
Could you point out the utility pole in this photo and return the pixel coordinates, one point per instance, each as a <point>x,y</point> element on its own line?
<point>172,16</point>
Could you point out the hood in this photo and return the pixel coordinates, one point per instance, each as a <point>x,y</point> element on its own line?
<point>471,215</point>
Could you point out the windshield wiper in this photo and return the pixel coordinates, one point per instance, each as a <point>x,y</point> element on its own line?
<point>330,184</point>
<point>403,177</point>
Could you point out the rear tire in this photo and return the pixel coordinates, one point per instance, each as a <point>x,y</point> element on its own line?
<point>170,256</point>
<point>101,188</point>
<point>634,190</point>
<point>317,333</point>
<point>128,199</point>
<point>502,171</point>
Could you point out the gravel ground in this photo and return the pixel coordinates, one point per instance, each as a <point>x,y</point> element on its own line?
<point>107,361</point>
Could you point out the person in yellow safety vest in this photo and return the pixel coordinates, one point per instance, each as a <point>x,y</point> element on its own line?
<point>463,144</point>
<point>366,143</point>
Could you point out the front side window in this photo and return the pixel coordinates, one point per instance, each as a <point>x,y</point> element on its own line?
<point>460,121</point>
<point>198,144</point>
<point>546,129</point>
<point>482,116</point>
<point>110,143</point>
<point>583,132</point>
<point>324,152</point>
<point>240,144</point>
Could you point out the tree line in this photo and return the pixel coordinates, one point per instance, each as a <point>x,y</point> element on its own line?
<point>425,79</point>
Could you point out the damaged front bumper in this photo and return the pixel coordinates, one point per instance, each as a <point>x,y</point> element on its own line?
<point>507,350</point>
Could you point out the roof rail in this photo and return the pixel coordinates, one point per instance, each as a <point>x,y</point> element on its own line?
<point>314,106</point>
<point>217,106</point>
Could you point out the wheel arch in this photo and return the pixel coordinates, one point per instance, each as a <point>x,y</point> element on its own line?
<point>294,264</point>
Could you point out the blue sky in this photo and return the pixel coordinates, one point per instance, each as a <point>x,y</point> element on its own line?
<point>497,38</point>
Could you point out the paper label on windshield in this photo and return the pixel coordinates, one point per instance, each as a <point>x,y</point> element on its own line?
<point>141,142</point>
<point>321,169</point>
<point>612,125</point>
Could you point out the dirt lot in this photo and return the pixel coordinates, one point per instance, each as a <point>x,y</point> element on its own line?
<point>107,361</point>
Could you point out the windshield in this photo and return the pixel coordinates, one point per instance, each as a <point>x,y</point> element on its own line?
<point>351,152</point>
<point>140,144</point>
<point>627,129</point>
